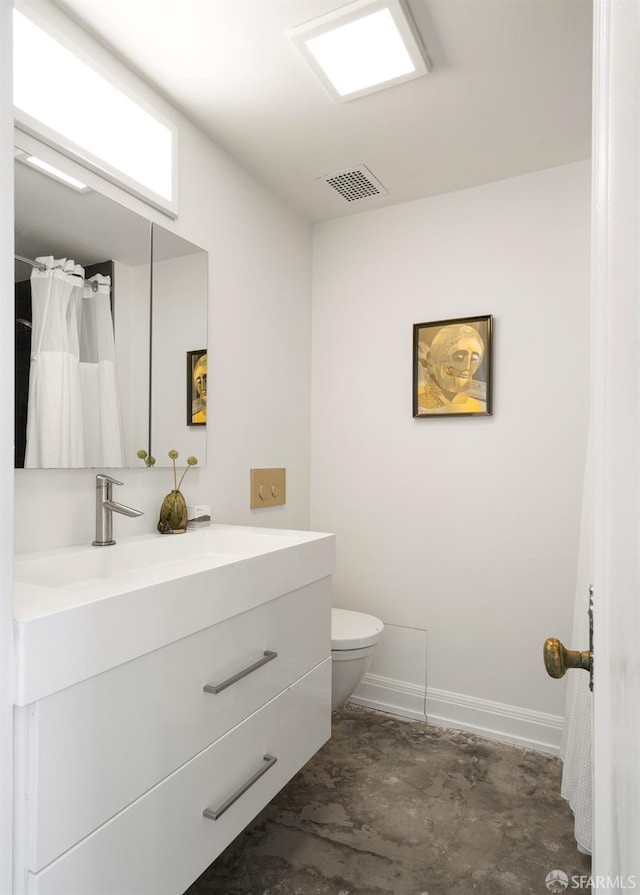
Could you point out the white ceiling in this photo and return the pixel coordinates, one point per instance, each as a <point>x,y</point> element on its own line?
<point>509,92</point>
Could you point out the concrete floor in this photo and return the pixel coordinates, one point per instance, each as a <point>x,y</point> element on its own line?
<point>397,807</point>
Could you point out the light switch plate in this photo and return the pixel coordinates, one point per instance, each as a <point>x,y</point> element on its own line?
<point>268,488</point>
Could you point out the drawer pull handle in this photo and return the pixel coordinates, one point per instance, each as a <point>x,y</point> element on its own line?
<point>217,688</point>
<point>269,761</point>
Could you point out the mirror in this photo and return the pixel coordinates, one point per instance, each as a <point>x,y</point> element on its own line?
<point>157,294</point>
<point>178,348</point>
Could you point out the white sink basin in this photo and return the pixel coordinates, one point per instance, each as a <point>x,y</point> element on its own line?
<point>81,610</point>
<point>208,548</point>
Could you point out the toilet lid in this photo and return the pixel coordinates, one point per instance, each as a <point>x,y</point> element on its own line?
<point>354,630</point>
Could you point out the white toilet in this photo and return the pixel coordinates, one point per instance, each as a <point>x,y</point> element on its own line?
<point>353,639</point>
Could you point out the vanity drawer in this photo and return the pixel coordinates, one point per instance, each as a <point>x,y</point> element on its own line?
<point>162,842</point>
<point>96,747</point>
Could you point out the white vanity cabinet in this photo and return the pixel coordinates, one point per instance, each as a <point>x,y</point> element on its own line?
<point>133,780</point>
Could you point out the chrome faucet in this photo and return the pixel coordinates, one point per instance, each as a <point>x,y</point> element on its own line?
<point>105,507</point>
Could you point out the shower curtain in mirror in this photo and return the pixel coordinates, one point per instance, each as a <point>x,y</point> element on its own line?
<point>100,406</point>
<point>73,417</point>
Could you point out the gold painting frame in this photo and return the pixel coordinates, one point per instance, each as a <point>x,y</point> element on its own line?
<point>197,387</point>
<point>452,367</point>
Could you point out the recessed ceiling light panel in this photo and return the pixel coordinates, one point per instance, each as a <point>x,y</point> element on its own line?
<point>364,46</point>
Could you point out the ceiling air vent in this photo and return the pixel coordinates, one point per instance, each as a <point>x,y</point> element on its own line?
<point>354,184</point>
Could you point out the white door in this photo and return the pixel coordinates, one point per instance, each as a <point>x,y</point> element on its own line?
<point>616,413</point>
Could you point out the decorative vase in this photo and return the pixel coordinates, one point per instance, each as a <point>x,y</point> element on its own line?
<point>173,514</point>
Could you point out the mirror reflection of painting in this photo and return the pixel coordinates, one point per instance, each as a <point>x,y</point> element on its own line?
<point>197,387</point>
<point>452,361</point>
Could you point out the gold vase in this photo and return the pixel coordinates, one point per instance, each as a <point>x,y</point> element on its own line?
<point>173,514</point>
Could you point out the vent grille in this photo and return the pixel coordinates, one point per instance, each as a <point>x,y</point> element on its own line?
<point>354,184</point>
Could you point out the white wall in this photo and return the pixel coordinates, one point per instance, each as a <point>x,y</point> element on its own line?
<point>258,338</point>
<point>467,528</point>
<point>6,447</point>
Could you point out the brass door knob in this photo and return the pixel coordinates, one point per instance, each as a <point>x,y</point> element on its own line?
<point>557,658</point>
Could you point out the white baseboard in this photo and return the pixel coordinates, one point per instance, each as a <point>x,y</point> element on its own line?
<point>389,695</point>
<point>493,720</point>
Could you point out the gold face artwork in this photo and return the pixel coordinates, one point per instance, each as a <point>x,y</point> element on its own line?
<point>200,378</point>
<point>196,388</point>
<point>456,353</point>
<point>452,361</point>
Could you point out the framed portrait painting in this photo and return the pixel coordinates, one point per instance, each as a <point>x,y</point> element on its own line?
<point>452,361</point>
<point>197,387</point>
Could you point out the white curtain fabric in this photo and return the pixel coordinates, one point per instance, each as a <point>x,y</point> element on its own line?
<point>55,401</point>
<point>575,749</point>
<point>103,442</point>
<point>73,417</point>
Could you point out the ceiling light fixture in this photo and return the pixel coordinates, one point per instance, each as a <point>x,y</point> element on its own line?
<point>62,97</point>
<point>362,47</point>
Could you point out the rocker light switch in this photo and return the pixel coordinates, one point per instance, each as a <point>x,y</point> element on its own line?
<point>268,488</point>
